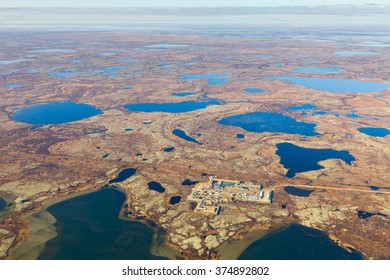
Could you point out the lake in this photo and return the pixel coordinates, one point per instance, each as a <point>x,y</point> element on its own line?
<point>181,134</point>
<point>332,85</point>
<point>181,107</point>
<point>298,159</point>
<point>123,175</point>
<point>240,136</point>
<point>270,122</point>
<point>354,53</point>
<point>297,242</point>
<point>88,228</point>
<point>156,186</point>
<point>188,182</point>
<point>182,94</point>
<point>302,107</point>
<point>175,200</point>
<point>55,113</point>
<point>169,149</point>
<point>3,204</point>
<point>297,191</point>
<point>15,85</point>
<point>375,131</point>
<point>317,70</point>
<point>254,90</point>
<point>203,76</point>
<point>365,215</point>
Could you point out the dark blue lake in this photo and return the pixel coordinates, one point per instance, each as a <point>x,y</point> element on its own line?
<point>302,107</point>
<point>332,85</point>
<point>203,76</point>
<point>123,175</point>
<point>55,113</point>
<point>270,122</point>
<point>3,204</point>
<point>254,90</point>
<point>375,131</point>
<point>169,149</point>
<point>297,159</point>
<point>175,200</point>
<point>297,242</point>
<point>188,182</point>
<point>181,134</point>
<point>240,136</point>
<point>182,94</point>
<point>181,107</point>
<point>297,191</point>
<point>316,70</point>
<point>156,186</point>
<point>88,228</point>
<point>366,215</point>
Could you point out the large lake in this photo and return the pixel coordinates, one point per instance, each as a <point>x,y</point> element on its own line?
<point>298,159</point>
<point>181,107</point>
<point>88,228</point>
<point>55,113</point>
<point>297,242</point>
<point>270,122</point>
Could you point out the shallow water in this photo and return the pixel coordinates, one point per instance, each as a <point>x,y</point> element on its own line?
<point>88,228</point>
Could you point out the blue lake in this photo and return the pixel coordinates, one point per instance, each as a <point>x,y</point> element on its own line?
<point>254,90</point>
<point>203,76</point>
<point>182,94</point>
<point>214,82</point>
<point>297,242</point>
<point>354,53</point>
<point>297,191</point>
<point>188,182</point>
<point>270,122</point>
<point>181,134</point>
<point>240,136</point>
<point>366,215</point>
<point>375,131</point>
<point>3,204</point>
<point>316,70</point>
<point>181,107</point>
<point>55,113</point>
<point>169,149</point>
<point>297,159</point>
<point>332,85</point>
<point>302,107</point>
<point>16,85</point>
<point>123,175</point>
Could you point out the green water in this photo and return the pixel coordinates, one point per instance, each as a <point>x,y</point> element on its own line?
<point>88,228</point>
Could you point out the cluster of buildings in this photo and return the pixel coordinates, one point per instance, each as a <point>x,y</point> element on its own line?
<point>216,192</point>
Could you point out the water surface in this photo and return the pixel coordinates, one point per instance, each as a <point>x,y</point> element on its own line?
<point>332,85</point>
<point>3,204</point>
<point>254,90</point>
<point>297,191</point>
<point>188,182</point>
<point>316,70</point>
<point>182,94</point>
<point>375,131</point>
<point>298,159</point>
<point>181,134</point>
<point>365,215</point>
<point>15,85</point>
<point>55,113</point>
<point>156,186</point>
<point>297,242</point>
<point>270,122</point>
<point>88,228</point>
<point>123,175</point>
<point>175,200</point>
<point>181,107</point>
<point>354,53</point>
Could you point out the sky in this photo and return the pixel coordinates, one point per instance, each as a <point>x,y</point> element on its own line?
<point>180,3</point>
